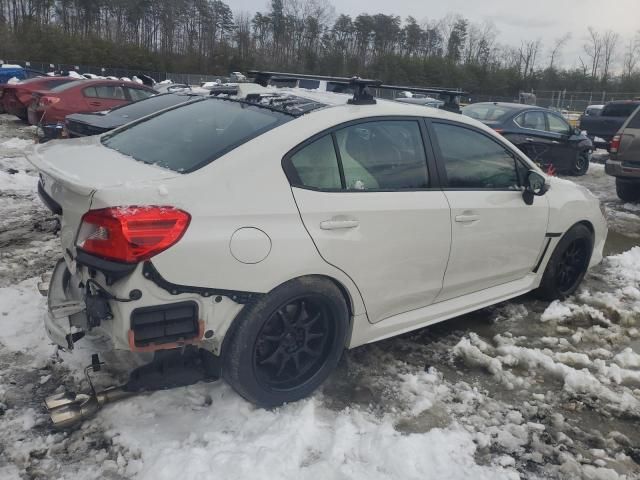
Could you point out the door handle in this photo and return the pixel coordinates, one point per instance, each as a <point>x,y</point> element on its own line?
<point>467,218</point>
<point>555,142</point>
<point>528,139</point>
<point>337,223</point>
<point>95,104</point>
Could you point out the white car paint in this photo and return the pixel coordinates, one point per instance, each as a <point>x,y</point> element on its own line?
<point>406,262</point>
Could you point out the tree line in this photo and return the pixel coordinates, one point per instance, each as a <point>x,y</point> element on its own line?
<point>308,36</point>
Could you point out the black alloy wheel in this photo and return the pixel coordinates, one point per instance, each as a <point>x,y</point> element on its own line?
<point>292,345</point>
<point>282,347</point>
<point>572,264</point>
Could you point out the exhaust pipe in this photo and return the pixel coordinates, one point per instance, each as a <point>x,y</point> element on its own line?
<point>169,369</point>
<point>67,408</point>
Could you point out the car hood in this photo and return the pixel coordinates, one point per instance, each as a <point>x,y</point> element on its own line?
<point>85,165</point>
<point>106,120</point>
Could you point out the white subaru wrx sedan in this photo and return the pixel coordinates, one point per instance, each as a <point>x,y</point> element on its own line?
<point>277,230</point>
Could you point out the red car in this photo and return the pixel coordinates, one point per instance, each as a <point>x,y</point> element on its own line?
<point>15,99</point>
<point>48,108</point>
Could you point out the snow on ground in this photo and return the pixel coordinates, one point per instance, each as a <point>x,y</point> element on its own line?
<point>525,389</point>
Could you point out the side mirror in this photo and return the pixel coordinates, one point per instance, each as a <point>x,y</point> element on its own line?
<point>535,186</point>
<point>577,131</point>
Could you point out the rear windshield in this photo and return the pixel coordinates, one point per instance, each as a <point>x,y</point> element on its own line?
<point>56,82</point>
<point>149,105</point>
<point>619,109</point>
<point>68,85</point>
<point>486,112</point>
<point>190,136</point>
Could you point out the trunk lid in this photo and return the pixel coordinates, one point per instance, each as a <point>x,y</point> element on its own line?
<point>71,171</point>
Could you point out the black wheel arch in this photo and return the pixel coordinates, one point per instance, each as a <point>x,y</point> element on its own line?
<point>339,285</point>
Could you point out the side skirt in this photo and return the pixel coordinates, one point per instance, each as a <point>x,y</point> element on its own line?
<point>365,332</point>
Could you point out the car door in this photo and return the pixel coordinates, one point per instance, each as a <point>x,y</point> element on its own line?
<point>496,237</point>
<point>373,210</point>
<point>534,139</point>
<point>563,144</point>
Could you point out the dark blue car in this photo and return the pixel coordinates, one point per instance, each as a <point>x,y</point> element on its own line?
<point>542,134</point>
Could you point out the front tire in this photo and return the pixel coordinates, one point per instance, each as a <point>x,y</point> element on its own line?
<point>568,264</point>
<point>581,163</point>
<point>285,345</point>
<point>628,191</point>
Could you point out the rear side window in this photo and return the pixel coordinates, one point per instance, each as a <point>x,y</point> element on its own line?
<point>619,109</point>
<point>190,136</point>
<point>316,165</point>
<point>532,120</point>
<point>474,161</point>
<point>109,92</point>
<point>383,155</point>
<point>375,155</point>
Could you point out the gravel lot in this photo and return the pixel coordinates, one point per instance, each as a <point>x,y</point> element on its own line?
<point>523,389</point>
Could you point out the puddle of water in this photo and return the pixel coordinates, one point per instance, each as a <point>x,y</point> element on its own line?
<point>618,243</point>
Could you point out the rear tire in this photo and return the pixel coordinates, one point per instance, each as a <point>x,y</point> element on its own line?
<point>628,191</point>
<point>568,264</point>
<point>281,348</point>
<point>581,163</point>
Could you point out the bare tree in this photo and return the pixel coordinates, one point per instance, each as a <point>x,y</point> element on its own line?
<point>631,57</point>
<point>528,56</point>
<point>593,49</point>
<point>556,50</point>
<point>609,44</point>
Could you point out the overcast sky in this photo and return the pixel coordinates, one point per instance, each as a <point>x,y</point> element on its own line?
<point>515,20</point>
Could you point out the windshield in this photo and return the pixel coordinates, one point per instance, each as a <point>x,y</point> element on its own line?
<point>190,136</point>
<point>486,112</point>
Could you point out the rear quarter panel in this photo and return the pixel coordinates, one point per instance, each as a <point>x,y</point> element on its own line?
<point>245,188</point>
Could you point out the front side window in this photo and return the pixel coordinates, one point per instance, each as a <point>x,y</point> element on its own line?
<point>383,155</point>
<point>316,166</point>
<point>475,161</point>
<point>192,135</point>
<point>532,120</point>
<point>558,125</point>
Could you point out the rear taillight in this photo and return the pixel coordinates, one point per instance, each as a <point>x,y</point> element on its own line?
<point>614,146</point>
<point>47,101</point>
<point>131,234</point>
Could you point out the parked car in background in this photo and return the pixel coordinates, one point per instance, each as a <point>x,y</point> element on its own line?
<point>542,134</point>
<point>601,128</point>
<point>49,108</point>
<point>624,159</point>
<point>15,98</point>
<point>96,123</point>
<point>277,285</point>
<point>593,111</point>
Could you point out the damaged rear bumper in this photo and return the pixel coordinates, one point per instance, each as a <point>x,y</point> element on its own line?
<point>65,319</point>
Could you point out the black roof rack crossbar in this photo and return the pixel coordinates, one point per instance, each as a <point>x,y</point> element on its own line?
<point>361,94</point>
<point>434,91</point>
<point>263,78</point>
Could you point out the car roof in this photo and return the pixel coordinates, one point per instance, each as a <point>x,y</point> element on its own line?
<point>334,107</point>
